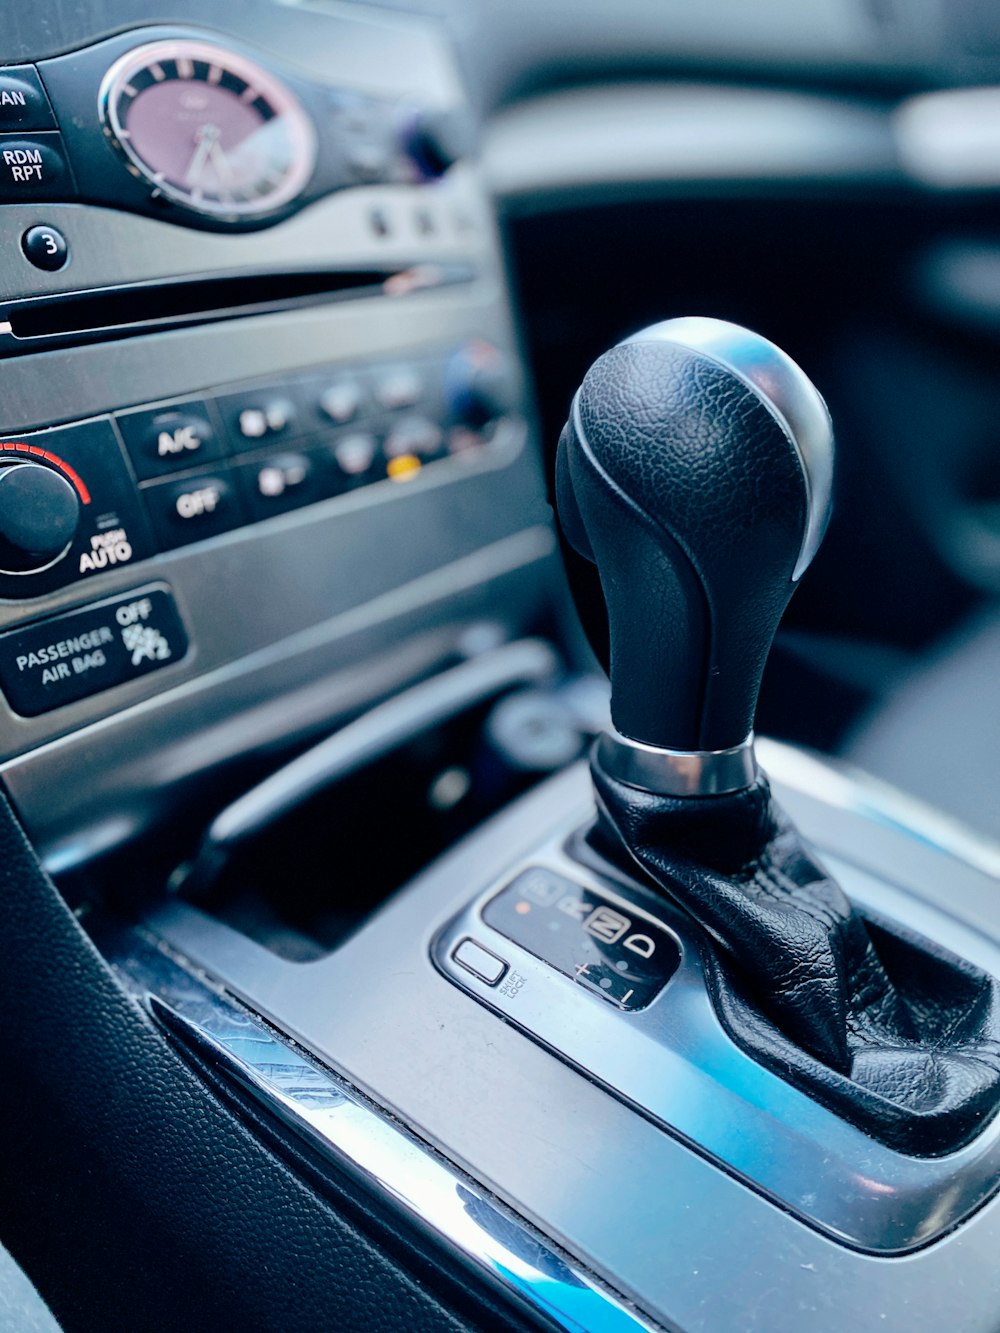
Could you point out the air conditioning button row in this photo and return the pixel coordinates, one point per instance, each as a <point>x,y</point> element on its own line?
<point>216,499</point>
<point>182,435</point>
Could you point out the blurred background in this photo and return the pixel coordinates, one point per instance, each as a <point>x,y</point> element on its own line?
<point>827,174</point>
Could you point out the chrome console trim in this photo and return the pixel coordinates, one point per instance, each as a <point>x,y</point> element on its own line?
<point>947,139</point>
<point>677,772</point>
<point>848,788</point>
<point>359,1137</point>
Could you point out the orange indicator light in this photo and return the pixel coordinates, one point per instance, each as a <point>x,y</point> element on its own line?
<point>404,467</point>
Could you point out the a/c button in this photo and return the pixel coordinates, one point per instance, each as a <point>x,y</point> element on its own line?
<point>194,507</point>
<point>169,439</point>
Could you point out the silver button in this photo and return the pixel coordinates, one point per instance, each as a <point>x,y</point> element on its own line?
<point>479,961</point>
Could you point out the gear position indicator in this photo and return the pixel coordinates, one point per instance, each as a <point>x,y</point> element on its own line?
<point>619,954</point>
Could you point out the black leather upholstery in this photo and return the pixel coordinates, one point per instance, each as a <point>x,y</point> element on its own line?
<point>682,486</point>
<point>894,1033</point>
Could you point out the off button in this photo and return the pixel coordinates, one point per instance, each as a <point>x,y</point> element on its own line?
<point>187,510</point>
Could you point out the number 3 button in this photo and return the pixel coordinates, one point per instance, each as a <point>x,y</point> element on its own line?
<point>45,248</point>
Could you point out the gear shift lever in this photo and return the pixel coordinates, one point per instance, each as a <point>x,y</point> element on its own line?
<point>695,472</point>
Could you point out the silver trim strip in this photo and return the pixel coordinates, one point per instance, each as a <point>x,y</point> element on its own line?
<point>787,393</point>
<point>677,772</point>
<point>588,141</point>
<point>352,1133</point>
<point>845,787</point>
<point>950,139</point>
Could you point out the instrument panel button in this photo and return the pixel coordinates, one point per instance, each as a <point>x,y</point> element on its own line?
<point>33,167</point>
<point>399,386</point>
<point>255,417</point>
<point>379,222</point>
<point>282,481</point>
<point>479,961</point>
<point>168,439</point>
<point>188,509</point>
<point>39,516</point>
<point>358,458</point>
<point>46,248</point>
<point>415,435</point>
<point>342,400</point>
<point>112,530</point>
<point>23,104</point>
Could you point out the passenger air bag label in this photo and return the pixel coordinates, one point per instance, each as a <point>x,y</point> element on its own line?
<point>69,657</point>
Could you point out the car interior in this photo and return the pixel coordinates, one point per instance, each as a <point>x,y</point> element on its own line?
<point>454,876</point>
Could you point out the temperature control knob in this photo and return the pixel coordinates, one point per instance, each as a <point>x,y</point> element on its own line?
<point>39,514</point>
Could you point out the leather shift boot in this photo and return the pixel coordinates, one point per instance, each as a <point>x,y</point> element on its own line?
<point>899,1036</point>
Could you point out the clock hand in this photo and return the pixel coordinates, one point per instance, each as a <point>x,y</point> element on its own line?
<point>223,166</point>
<point>206,137</point>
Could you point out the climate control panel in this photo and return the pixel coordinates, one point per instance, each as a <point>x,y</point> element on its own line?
<point>81,499</point>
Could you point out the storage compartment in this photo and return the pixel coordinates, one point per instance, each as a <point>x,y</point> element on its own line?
<point>350,821</point>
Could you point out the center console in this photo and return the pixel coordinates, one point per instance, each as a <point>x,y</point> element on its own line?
<point>272,509</point>
<point>665,1033</point>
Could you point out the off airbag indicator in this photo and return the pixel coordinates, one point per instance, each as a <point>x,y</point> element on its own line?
<point>69,657</point>
<point>610,948</point>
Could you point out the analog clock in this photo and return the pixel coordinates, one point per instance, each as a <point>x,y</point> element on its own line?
<point>208,128</point>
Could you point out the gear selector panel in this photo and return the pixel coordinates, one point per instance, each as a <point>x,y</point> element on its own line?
<point>581,933</point>
<point>559,924</point>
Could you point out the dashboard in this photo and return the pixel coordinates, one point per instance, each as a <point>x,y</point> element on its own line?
<point>334,397</point>
<point>293,299</point>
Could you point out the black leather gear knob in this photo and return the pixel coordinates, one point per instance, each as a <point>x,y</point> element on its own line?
<point>695,471</point>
